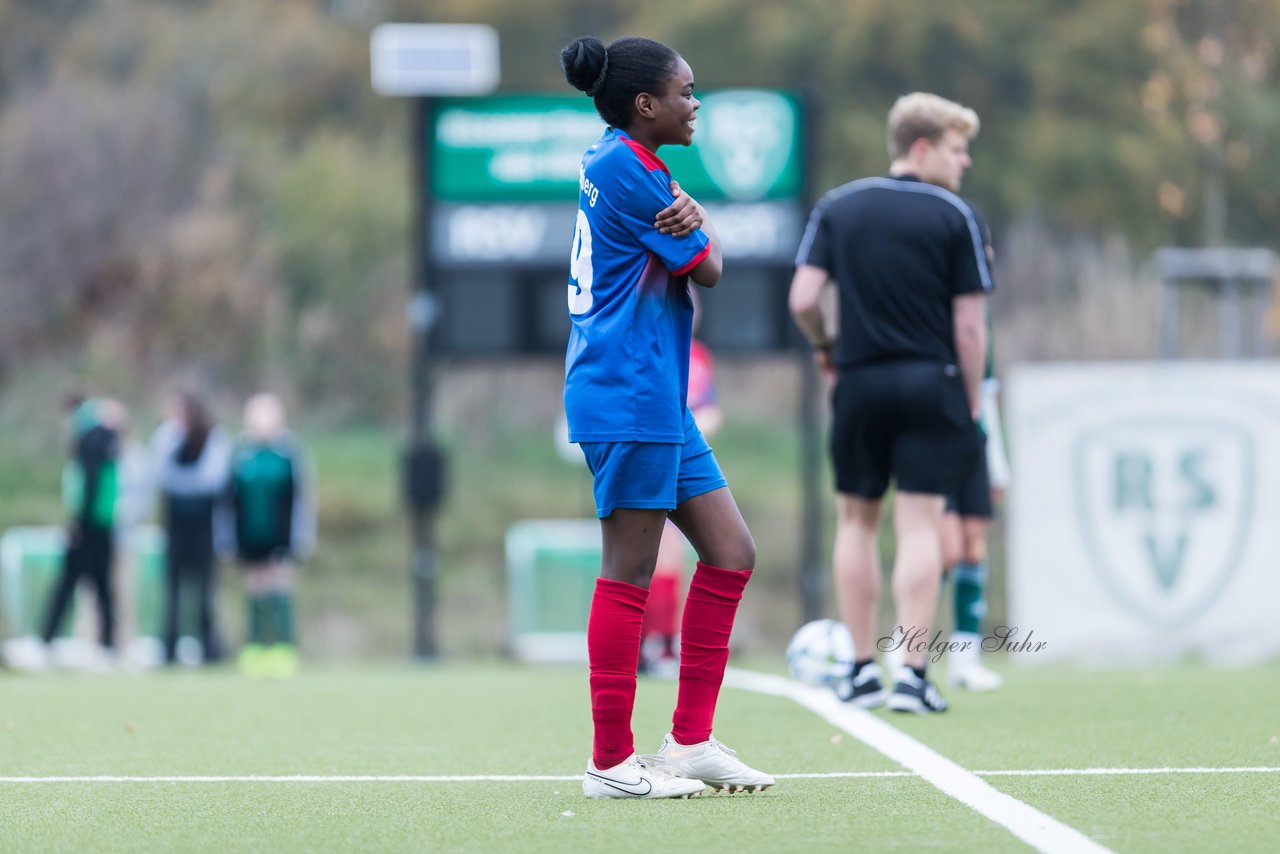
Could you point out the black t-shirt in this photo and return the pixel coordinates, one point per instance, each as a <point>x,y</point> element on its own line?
<point>900,250</point>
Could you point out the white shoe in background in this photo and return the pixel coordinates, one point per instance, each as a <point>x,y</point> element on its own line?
<point>964,666</point>
<point>27,653</point>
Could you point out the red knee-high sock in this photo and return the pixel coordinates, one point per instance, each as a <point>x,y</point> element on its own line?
<point>709,610</point>
<point>613,650</point>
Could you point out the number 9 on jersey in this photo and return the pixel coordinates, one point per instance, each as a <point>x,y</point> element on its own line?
<point>580,274</point>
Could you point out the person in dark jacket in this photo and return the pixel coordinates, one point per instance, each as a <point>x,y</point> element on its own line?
<point>191,456</point>
<point>89,485</point>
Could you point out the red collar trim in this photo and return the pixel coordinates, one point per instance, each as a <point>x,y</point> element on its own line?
<point>651,161</point>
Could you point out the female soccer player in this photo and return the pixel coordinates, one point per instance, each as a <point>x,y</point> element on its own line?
<point>638,241</point>
<point>192,459</point>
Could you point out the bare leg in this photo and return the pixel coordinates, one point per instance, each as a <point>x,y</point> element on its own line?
<point>856,568</point>
<point>975,530</point>
<point>630,547</point>
<point>716,529</point>
<point>917,569</point>
<point>953,540</point>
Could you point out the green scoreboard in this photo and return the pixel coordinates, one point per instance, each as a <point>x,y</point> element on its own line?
<point>502,180</point>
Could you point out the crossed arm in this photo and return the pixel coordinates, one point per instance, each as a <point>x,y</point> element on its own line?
<point>683,217</point>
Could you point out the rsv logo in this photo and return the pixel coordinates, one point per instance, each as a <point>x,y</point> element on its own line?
<point>746,138</point>
<point>1164,507</point>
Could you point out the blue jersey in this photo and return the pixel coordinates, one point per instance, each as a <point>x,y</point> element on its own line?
<point>627,365</point>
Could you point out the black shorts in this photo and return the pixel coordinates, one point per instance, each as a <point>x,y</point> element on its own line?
<point>973,498</point>
<point>905,421</point>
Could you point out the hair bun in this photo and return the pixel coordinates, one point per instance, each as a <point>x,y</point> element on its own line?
<point>586,63</point>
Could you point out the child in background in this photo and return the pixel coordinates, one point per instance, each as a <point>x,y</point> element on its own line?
<point>274,526</point>
<point>89,487</point>
<point>190,455</point>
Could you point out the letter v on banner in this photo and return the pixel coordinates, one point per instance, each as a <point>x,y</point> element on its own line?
<point>1164,508</point>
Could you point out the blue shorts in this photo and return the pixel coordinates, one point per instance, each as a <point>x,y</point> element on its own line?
<point>652,475</point>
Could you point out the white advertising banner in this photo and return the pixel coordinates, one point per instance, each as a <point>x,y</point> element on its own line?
<point>1144,511</point>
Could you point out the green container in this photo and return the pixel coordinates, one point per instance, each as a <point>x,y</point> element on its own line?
<point>552,566</point>
<point>31,562</point>
<point>148,547</point>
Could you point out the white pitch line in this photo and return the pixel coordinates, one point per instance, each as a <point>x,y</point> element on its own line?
<point>1098,772</point>
<point>303,778</point>
<point>567,778</point>
<point>844,775</point>
<point>1041,772</point>
<point>1033,827</point>
<point>398,778</point>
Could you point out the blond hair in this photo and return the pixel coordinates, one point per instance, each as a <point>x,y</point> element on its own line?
<point>264,416</point>
<point>921,115</point>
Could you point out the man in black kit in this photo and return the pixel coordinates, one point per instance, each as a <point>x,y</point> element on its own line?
<point>908,260</point>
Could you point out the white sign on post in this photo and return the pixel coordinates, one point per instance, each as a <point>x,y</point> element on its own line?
<point>1142,511</point>
<point>434,59</point>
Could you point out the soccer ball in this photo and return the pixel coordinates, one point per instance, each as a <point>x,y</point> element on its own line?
<point>820,651</point>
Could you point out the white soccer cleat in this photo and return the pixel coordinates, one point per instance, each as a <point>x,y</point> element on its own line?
<point>637,777</point>
<point>712,763</point>
<point>27,653</point>
<point>972,676</point>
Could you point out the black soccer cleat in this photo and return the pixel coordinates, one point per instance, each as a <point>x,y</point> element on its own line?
<point>916,695</point>
<point>865,690</point>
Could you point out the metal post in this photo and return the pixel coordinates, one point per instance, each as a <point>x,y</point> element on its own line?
<point>812,576</point>
<point>404,60</point>
<point>1256,346</point>
<point>1170,320</point>
<point>812,585</point>
<point>423,463</point>
<point>1229,323</point>
<point>1215,156</point>
<point>1235,275</point>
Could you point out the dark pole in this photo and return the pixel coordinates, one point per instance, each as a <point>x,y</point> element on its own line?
<point>1215,183</point>
<point>424,462</point>
<point>812,586</point>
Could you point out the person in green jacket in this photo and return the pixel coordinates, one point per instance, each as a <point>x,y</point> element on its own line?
<point>274,527</point>
<point>89,488</point>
